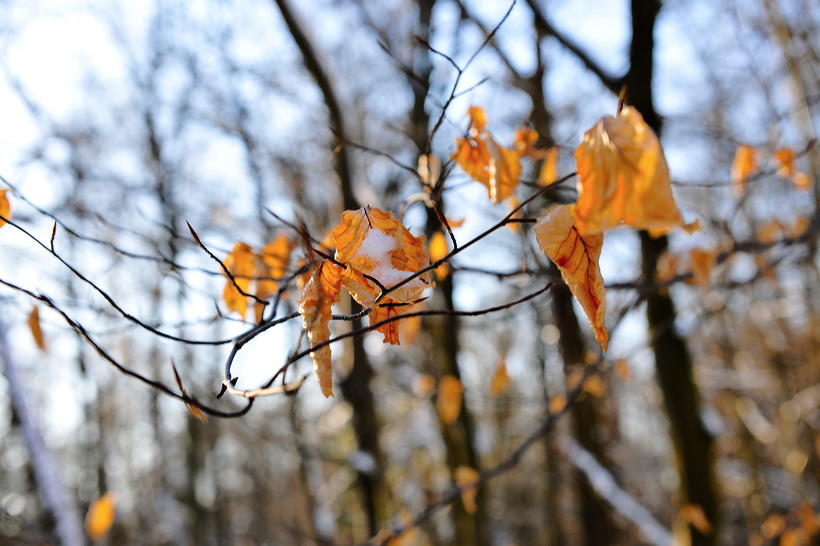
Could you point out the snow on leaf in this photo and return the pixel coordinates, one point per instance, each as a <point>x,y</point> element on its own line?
<point>5,207</point>
<point>373,245</point>
<point>576,256</point>
<point>315,303</point>
<point>743,165</point>
<point>623,178</point>
<point>240,263</point>
<point>100,517</point>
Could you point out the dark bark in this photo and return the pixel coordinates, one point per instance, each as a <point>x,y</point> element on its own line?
<point>692,443</point>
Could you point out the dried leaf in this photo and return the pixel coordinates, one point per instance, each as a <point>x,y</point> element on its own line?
<point>770,232</point>
<point>557,404</point>
<point>371,243</point>
<point>386,309</point>
<point>5,208</point>
<point>100,517</point>
<point>623,178</point>
<point>743,165</point>
<point>595,386</point>
<point>315,303</point>
<point>448,401</point>
<point>577,257</point>
<point>694,515</point>
<point>270,266</point>
<point>429,169</point>
<point>466,479</point>
<point>801,181</point>
<point>485,161</point>
<point>34,327</point>
<point>549,168</point>
<point>702,262</point>
<point>500,380</point>
<point>623,369</point>
<point>438,250</point>
<point>240,263</point>
<point>783,160</point>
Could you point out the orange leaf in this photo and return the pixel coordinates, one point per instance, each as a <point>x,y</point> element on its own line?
<point>240,263</point>
<point>100,517</point>
<point>438,250</point>
<point>801,181</point>
<point>448,402</point>
<point>743,165</point>
<point>694,515</point>
<point>485,161</point>
<point>702,262</point>
<point>386,309</point>
<point>783,160</point>
<point>623,178</point>
<point>549,169</point>
<point>371,243</point>
<point>315,303</point>
<point>466,478</point>
<point>36,331</point>
<point>271,264</point>
<point>5,207</point>
<point>557,404</point>
<point>595,386</point>
<point>500,380</point>
<point>576,256</point>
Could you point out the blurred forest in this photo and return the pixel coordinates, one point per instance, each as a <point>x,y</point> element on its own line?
<point>498,420</point>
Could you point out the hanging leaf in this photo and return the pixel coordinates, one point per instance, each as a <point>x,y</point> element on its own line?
<point>703,263</point>
<point>783,160</point>
<point>577,257</point>
<point>466,478</point>
<point>318,297</point>
<point>270,266</point>
<point>34,327</point>
<point>240,263</point>
<point>801,181</point>
<point>549,168</point>
<point>5,208</point>
<point>100,517</point>
<point>485,161</point>
<point>386,309</point>
<point>438,250</point>
<point>500,380</point>
<point>373,245</point>
<point>448,401</point>
<point>623,178</point>
<point>743,165</point>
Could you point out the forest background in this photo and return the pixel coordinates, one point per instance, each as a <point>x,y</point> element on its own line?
<point>498,419</point>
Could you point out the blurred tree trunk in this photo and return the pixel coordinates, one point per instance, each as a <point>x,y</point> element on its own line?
<point>692,442</point>
<point>443,331</point>
<point>55,497</point>
<point>356,386</point>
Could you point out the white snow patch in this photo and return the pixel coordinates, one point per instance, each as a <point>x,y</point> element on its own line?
<point>377,246</point>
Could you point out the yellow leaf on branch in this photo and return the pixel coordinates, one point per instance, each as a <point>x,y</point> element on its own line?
<point>5,208</point>
<point>270,266</point>
<point>485,161</point>
<point>743,165</point>
<point>576,256</point>
<point>384,310</point>
<point>549,168</point>
<point>100,517</point>
<point>438,250</point>
<point>783,160</point>
<point>315,308</point>
<point>240,263</point>
<point>500,380</point>
<point>623,178</point>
